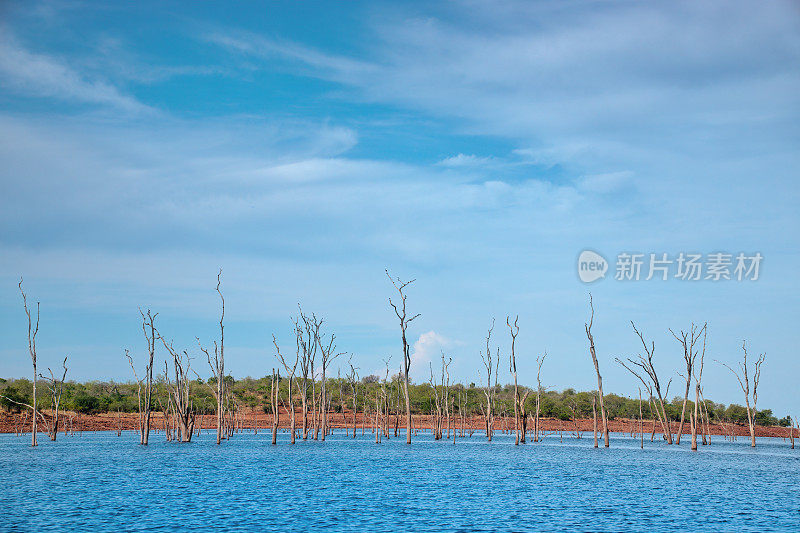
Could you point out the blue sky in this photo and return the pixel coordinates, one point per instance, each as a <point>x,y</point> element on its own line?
<point>477,147</point>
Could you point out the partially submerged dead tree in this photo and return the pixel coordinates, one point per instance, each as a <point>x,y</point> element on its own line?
<point>641,422</point>
<point>489,392</point>
<point>594,418</point>
<point>688,340</point>
<point>536,422</point>
<point>652,383</point>
<point>309,333</point>
<point>404,322</point>
<point>327,354</point>
<point>352,377</point>
<point>217,365</point>
<point>182,404</point>
<point>512,367</point>
<point>32,331</point>
<point>290,370</point>
<point>56,388</point>
<point>274,400</point>
<point>145,402</point>
<point>437,414</point>
<point>593,353</point>
<point>446,386</point>
<point>698,376</point>
<point>749,385</point>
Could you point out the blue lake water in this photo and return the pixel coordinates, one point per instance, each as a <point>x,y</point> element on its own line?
<point>101,482</point>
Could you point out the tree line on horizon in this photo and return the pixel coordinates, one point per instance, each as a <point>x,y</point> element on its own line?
<point>95,397</point>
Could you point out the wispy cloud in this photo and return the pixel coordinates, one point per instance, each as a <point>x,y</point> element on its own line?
<point>315,62</point>
<point>466,160</point>
<point>42,75</point>
<point>624,79</point>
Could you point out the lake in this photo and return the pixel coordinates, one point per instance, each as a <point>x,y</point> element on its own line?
<point>101,482</point>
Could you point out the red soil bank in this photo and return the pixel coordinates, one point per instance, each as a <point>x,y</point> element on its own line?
<point>16,422</point>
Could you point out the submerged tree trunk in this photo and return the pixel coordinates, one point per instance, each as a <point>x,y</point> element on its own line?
<point>593,353</point>
<point>32,331</point>
<point>274,399</point>
<point>594,418</point>
<point>745,384</point>
<point>404,322</point>
<point>512,367</point>
<point>56,387</point>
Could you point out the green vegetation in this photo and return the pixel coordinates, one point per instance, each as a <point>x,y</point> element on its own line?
<point>99,397</point>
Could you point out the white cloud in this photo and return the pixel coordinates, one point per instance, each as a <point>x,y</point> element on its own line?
<point>596,82</point>
<point>463,160</point>
<point>322,64</point>
<point>46,76</point>
<point>425,348</point>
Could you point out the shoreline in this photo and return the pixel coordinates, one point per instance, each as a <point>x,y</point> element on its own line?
<point>16,423</point>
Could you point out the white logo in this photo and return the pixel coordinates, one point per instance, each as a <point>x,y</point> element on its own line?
<point>591,266</point>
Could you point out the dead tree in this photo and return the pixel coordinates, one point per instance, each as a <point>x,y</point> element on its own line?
<point>594,418</point>
<point>688,340</point>
<point>145,403</point>
<point>56,388</point>
<point>352,377</point>
<point>182,405</point>
<point>593,353</point>
<point>327,354</point>
<point>698,376</point>
<point>404,323</point>
<point>314,420</point>
<point>489,391</point>
<point>536,421</point>
<point>148,322</point>
<point>745,383</point>
<point>308,351</point>
<point>276,381</point>
<point>386,396</point>
<point>290,370</point>
<point>652,383</point>
<point>32,331</point>
<point>446,387</point>
<point>512,367</point>
<point>641,426</point>
<point>436,424</point>
<point>217,365</point>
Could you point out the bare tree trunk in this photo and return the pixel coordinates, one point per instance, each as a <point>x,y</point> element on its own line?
<point>641,429</point>
<point>179,392</point>
<point>489,392</point>
<point>148,378</point>
<point>588,328</point>
<point>290,370</point>
<point>744,383</point>
<point>594,418</point>
<point>352,377</point>
<point>328,354</point>
<point>687,341</point>
<point>512,367</point>
<point>646,364</point>
<point>698,376</point>
<point>539,362</point>
<point>274,400</point>
<point>404,323</point>
<point>32,331</point>
<point>56,388</point>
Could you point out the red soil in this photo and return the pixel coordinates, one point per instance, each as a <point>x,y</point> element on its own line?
<point>16,422</point>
